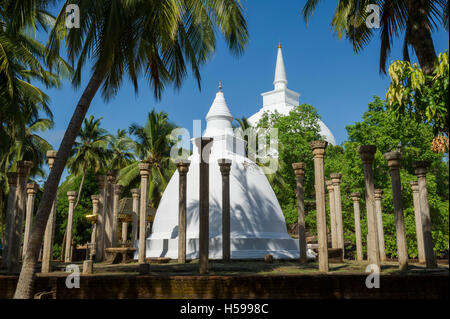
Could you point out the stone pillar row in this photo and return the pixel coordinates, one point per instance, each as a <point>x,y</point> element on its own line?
<point>420,169</point>
<point>393,159</point>
<point>367,153</point>
<point>15,236</point>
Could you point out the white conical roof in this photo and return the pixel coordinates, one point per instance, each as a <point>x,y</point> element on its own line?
<point>280,81</point>
<point>219,117</point>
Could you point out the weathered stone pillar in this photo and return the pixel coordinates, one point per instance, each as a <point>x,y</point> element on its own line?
<point>420,168</point>
<point>115,221</point>
<point>356,209</point>
<point>367,153</point>
<point>378,211</point>
<point>11,205</point>
<point>393,159</point>
<point>49,235</point>
<point>124,232</point>
<point>23,170</point>
<point>225,167</point>
<point>204,147</point>
<point>136,193</point>
<point>183,168</point>
<point>95,228</point>
<point>418,219</point>
<point>318,148</point>
<point>32,189</point>
<point>109,210</point>
<point>299,171</point>
<point>68,254</point>
<point>144,169</point>
<point>330,189</point>
<point>336,180</point>
<point>100,244</point>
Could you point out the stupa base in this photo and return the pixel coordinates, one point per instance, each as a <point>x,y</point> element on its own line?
<point>241,248</point>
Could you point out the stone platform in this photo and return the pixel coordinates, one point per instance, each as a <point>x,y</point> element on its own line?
<point>285,280</point>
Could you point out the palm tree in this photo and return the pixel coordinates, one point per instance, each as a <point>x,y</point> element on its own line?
<point>153,146</point>
<point>30,146</point>
<point>156,39</point>
<point>415,18</point>
<point>121,147</point>
<point>89,151</point>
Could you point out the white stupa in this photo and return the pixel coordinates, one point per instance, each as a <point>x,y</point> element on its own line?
<point>257,223</point>
<point>283,100</point>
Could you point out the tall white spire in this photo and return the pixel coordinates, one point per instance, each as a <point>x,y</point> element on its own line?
<point>219,118</point>
<point>280,81</point>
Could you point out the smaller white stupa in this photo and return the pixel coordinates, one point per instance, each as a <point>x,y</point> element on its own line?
<point>257,223</point>
<point>283,100</point>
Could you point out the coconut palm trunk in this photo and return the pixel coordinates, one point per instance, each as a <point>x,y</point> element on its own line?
<point>420,35</point>
<point>25,284</point>
<point>81,186</point>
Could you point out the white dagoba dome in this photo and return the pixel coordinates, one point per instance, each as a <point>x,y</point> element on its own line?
<point>283,100</point>
<point>257,223</point>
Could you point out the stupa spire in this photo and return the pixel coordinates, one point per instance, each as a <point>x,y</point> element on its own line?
<point>280,81</point>
<point>219,117</point>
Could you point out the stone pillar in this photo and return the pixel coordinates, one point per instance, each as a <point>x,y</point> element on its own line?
<point>109,209</point>
<point>393,159</point>
<point>100,244</point>
<point>49,235</point>
<point>204,147</point>
<point>32,189</point>
<point>336,180</point>
<point>115,221</point>
<point>356,209</point>
<point>380,231</point>
<point>299,170</point>
<point>367,153</point>
<point>418,219</point>
<point>420,168</point>
<point>136,193</point>
<point>95,230</point>
<point>11,205</point>
<point>330,189</point>
<point>23,171</point>
<point>183,168</point>
<point>144,169</point>
<point>318,148</point>
<point>68,254</point>
<point>225,167</point>
<point>124,232</point>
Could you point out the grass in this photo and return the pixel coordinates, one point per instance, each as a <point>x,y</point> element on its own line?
<point>238,268</point>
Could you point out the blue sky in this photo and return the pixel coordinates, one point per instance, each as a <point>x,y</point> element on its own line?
<point>323,69</point>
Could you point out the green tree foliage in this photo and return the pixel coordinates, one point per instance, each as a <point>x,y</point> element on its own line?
<point>152,145</point>
<point>89,151</point>
<point>295,131</point>
<point>426,97</point>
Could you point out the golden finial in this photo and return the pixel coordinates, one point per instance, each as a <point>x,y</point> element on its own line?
<point>279,45</point>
